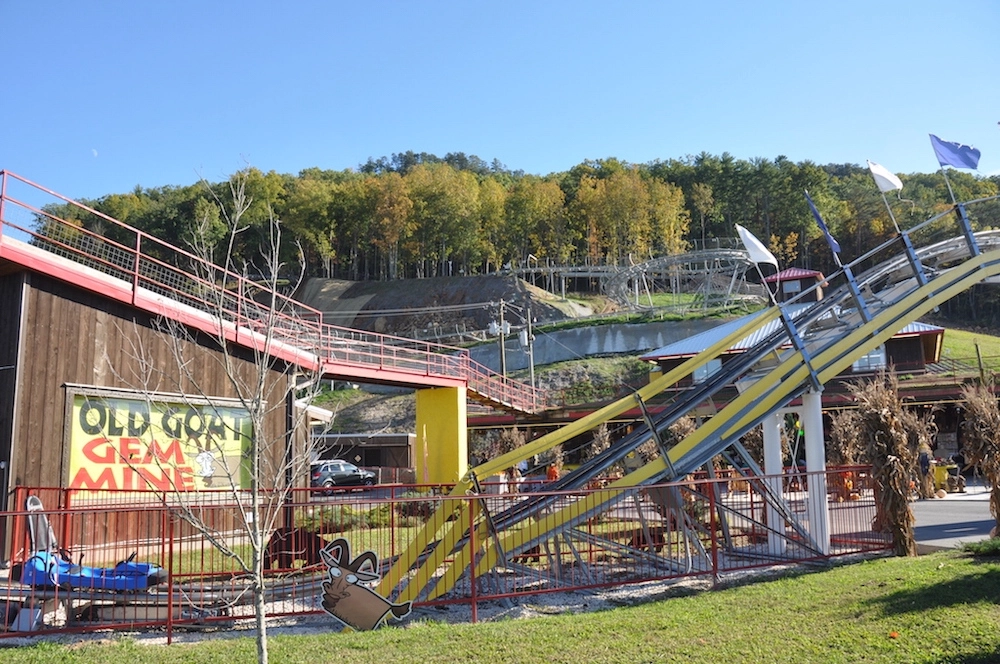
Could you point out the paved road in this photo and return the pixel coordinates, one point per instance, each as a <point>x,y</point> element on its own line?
<point>945,523</point>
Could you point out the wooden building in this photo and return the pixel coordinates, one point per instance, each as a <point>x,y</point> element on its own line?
<point>791,281</point>
<point>95,394</point>
<point>910,350</point>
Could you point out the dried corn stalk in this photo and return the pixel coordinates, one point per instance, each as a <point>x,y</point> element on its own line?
<point>846,445</point>
<point>883,428</point>
<point>981,433</point>
<point>674,434</point>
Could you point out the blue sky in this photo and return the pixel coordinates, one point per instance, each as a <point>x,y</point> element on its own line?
<point>100,97</point>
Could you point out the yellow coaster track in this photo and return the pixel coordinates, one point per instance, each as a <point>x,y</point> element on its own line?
<point>811,348</point>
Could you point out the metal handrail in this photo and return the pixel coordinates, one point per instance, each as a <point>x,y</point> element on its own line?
<point>154,267</point>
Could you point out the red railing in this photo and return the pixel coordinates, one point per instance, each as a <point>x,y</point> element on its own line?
<point>160,277</point>
<point>715,528</point>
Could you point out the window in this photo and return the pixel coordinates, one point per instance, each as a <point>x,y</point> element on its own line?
<point>710,368</point>
<point>872,361</point>
<point>790,287</point>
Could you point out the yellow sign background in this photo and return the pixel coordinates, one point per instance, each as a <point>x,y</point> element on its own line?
<point>135,444</point>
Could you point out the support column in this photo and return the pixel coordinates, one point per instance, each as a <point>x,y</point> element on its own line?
<point>817,506</point>
<point>774,469</point>
<point>441,454</point>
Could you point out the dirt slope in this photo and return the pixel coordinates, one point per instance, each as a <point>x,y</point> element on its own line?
<point>468,303</point>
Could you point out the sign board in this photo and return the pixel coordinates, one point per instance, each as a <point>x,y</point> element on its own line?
<point>123,443</point>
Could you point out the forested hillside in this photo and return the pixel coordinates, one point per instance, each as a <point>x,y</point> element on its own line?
<point>418,215</point>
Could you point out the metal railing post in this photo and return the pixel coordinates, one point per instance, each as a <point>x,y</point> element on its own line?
<point>966,227</point>
<point>170,581</point>
<point>473,546</point>
<point>713,526</point>
<point>3,198</point>
<point>136,266</point>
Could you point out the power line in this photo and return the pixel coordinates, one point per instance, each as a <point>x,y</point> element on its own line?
<point>415,310</point>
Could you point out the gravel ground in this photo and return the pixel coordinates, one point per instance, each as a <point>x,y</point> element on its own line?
<point>547,604</point>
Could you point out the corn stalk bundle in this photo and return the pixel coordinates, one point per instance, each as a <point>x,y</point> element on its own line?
<point>981,433</point>
<point>883,428</point>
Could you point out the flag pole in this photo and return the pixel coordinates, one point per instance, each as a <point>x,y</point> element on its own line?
<point>836,259</point>
<point>889,209</point>
<point>834,245</point>
<point>764,284</point>
<point>948,182</point>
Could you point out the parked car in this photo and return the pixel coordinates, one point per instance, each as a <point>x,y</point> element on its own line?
<point>337,473</point>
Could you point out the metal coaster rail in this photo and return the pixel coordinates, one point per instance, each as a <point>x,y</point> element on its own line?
<point>802,349</point>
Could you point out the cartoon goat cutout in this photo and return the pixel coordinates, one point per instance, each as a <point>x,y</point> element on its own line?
<point>353,604</point>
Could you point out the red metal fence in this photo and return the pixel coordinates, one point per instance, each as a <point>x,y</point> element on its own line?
<point>713,528</point>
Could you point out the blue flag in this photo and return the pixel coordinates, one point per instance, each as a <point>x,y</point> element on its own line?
<point>834,245</point>
<point>955,154</point>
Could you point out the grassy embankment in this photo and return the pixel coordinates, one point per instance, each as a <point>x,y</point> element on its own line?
<point>936,608</point>
<point>961,345</point>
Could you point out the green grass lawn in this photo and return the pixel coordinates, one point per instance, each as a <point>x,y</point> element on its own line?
<point>961,345</point>
<point>938,608</point>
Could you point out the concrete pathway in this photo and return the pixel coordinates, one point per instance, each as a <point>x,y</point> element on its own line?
<point>946,523</point>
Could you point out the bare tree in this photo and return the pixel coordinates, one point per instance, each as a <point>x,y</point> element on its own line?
<point>846,447</point>
<point>753,441</point>
<point>252,396</point>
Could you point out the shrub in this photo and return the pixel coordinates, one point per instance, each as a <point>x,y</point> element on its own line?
<point>986,548</point>
<point>411,507</point>
<point>331,519</point>
<point>378,516</point>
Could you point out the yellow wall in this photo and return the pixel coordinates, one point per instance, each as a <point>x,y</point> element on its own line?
<point>442,445</point>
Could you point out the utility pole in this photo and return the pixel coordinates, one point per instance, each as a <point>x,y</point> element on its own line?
<point>531,345</point>
<point>503,342</point>
<point>501,329</point>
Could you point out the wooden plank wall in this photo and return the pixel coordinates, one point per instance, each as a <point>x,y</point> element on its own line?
<point>74,336</point>
<point>10,320</point>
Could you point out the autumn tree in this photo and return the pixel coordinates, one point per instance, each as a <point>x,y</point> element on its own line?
<point>445,209</point>
<point>492,223</point>
<point>309,214</point>
<point>702,201</point>
<point>587,209</point>
<point>392,221</point>
<point>616,211</point>
<point>785,249</point>
<point>669,220</point>
<point>535,221</point>
<point>598,210</point>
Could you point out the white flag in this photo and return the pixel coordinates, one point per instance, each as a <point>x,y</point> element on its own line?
<point>758,252</point>
<point>884,178</point>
